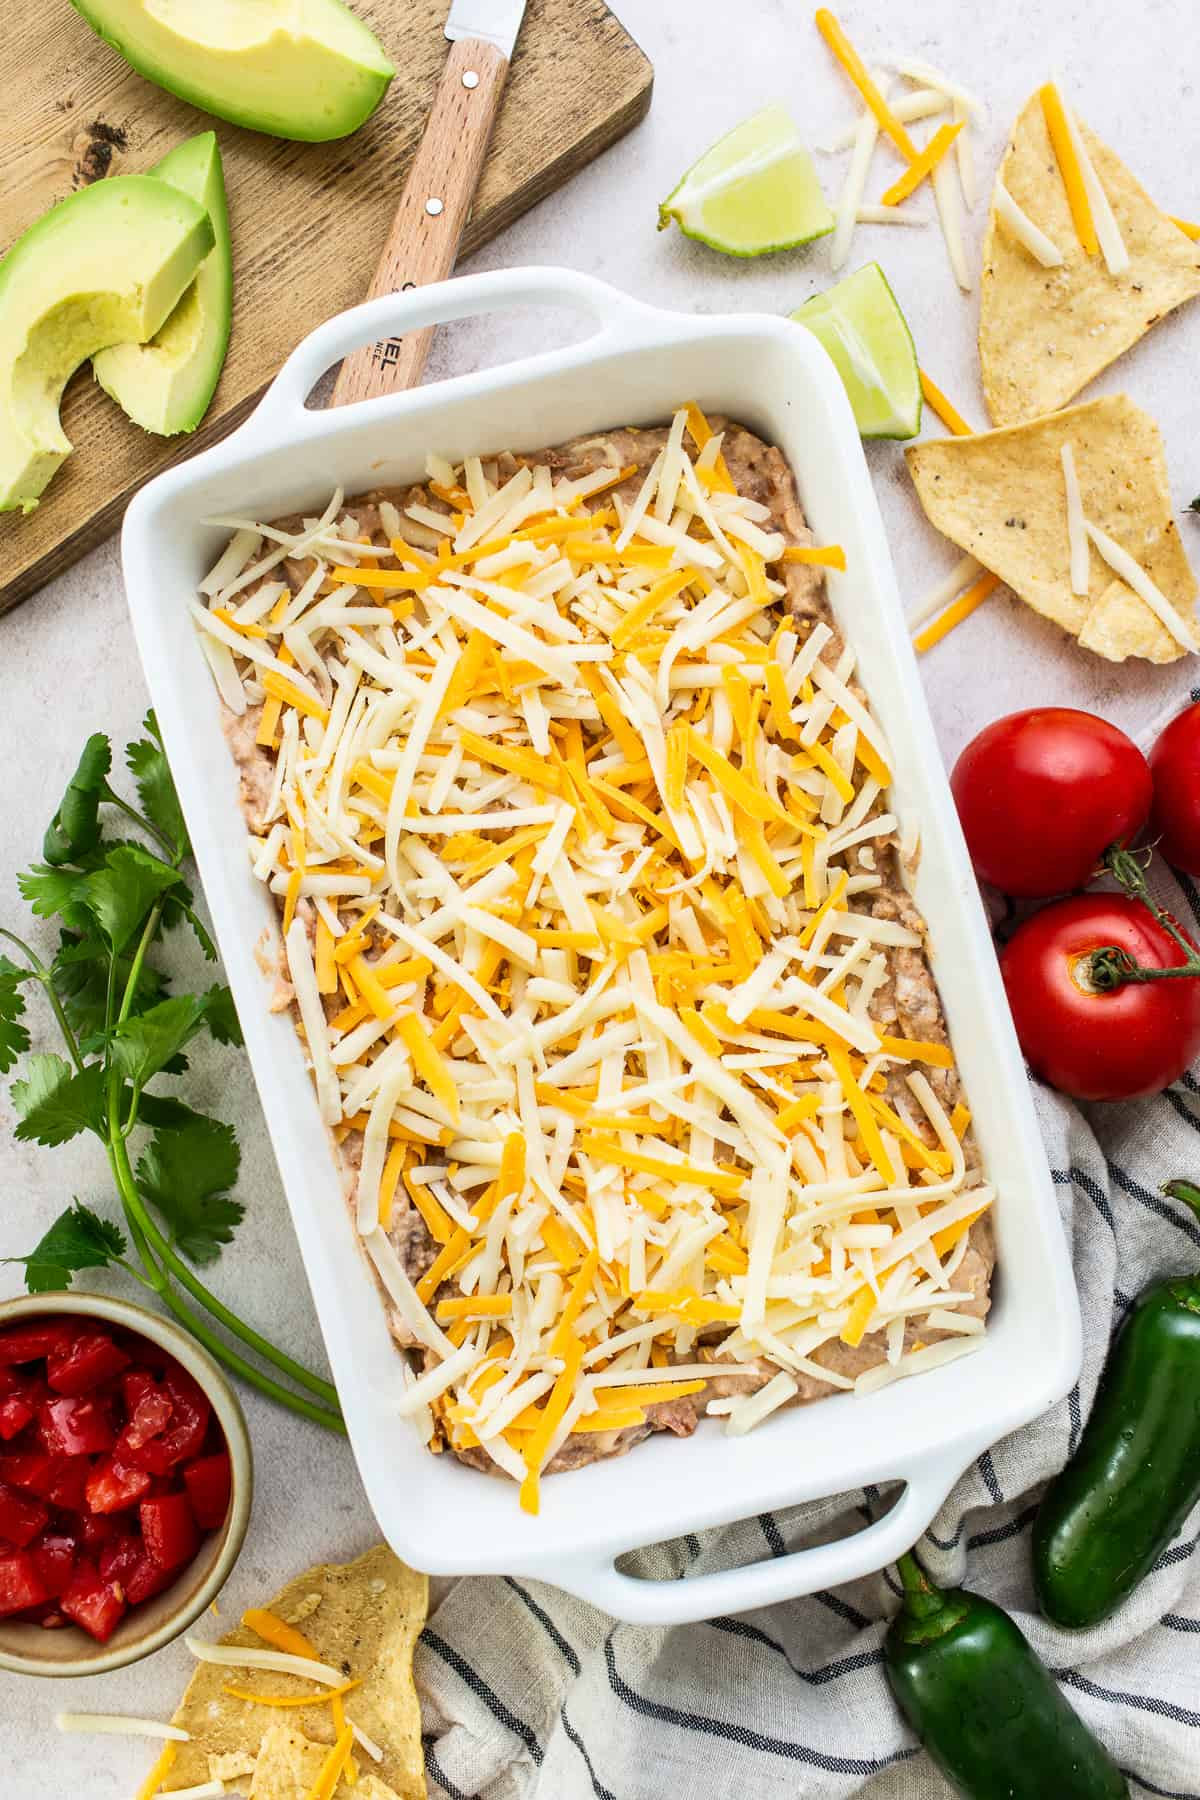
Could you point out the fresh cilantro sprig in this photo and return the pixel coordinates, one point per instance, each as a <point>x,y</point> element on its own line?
<point>113,898</point>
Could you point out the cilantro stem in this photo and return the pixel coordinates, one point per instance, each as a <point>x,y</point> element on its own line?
<point>141,1224</point>
<point>114,799</point>
<point>47,984</point>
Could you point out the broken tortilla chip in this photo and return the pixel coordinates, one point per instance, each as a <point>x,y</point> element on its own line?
<point>1045,333</point>
<point>1001,496</point>
<point>363,1618</point>
<point>289,1763</point>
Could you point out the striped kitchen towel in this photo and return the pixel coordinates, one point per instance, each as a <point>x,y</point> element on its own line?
<point>529,1694</point>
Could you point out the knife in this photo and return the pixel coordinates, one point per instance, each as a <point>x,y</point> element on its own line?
<point>436,202</point>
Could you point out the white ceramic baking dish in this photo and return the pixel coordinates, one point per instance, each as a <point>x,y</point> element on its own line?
<point>636,367</point>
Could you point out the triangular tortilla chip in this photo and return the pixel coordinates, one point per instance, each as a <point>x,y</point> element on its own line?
<point>1000,495</point>
<point>363,1617</point>
<point>1045,333</point>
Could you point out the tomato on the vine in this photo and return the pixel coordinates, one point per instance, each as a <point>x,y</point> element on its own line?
<point>1088,1040</point>
<point>1175,767</point>
<point>1042,795</point>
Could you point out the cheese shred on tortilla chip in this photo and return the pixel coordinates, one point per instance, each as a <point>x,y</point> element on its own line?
<point>999,496</point>
<point>1044,333</point>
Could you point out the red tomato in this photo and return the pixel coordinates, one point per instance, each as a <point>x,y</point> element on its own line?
<point>73,1426</point>
<point>209,1481</point>
<point>112,1486</point>
<point>95,1604</point>
<point>1043,794</point>
<point>91,1359</point>
<point>18,1405</point>
<point>54,1559</point>
<point>1175,766</point>
<point>168,1529</point>
<point>21,1517</point>
<point>189,1422</point>
<point>20,1583</point>
<point>23,1343</point>
<point>1120,1045</point>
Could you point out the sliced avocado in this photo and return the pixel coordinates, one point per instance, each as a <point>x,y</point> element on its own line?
<point>166,385</point>
<point>105,266</point>
<point>303,69</point>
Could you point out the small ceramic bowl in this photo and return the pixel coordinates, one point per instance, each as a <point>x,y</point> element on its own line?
<point>31,1649</point>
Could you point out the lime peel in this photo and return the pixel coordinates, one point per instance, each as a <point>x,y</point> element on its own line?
<point>755,191</point>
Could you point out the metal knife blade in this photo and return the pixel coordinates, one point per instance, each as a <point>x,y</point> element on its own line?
<point>496,21</point>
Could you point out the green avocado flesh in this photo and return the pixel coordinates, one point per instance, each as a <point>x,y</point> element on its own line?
<point>105,266</point>
<point>165,386</point>
<point>304,69</point>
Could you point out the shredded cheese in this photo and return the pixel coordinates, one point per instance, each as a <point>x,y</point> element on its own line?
<point>1077,536</point>
<point>855,68</point>
<point>119,1725</point>
<point>950,416</point>
<point>1134,576</point>
<point>1064,146</point>
<point>578,830</point>
<point>1043,249</point>
<point>922,165</point>
<point>954,615</point>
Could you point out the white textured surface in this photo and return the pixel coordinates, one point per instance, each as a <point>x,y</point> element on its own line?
<point>70,667</point>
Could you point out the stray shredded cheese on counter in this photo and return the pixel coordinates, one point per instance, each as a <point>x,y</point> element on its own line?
<point>575,827</point>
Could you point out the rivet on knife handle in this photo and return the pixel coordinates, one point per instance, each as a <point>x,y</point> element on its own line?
<point>423,242</point>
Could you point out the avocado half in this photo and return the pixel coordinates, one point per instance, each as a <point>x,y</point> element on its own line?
<point>105,266</point>
<point>305,69</point>
<point>166,385</point>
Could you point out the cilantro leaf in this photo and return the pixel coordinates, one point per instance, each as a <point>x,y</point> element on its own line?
<point>220,1015</point>
<point>79,974</point>
<point>186,1174</point>
<point>148,765</point>
<point>142,1046</point>
<point>54,1104</point>
<point>121,893</point>
<point>14,1037</point>
<point>57,893</point>
<point>78,1239</point>
<point>197,924</point>
<point>75,827</point>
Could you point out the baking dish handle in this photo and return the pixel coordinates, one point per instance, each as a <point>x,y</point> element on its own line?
<point>724,1591</point>
<point>616,316</point>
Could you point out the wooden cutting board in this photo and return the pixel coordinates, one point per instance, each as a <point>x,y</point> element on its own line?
<point>308,220</point>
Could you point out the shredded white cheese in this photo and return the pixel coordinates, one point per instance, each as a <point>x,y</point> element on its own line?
<point>1077,535</point>
<point>1043,249</point>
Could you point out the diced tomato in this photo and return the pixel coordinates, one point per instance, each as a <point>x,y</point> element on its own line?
<point>84,1363</point>
<point>113,1485</point>
<point>54,1556</point>
<point>93,1603</point>
<point>149,1419</point>
<point>135,1384</point>
<point>58,1479</point>
<point>16,1410</point>
<point>208,1482</point>
<point>74,1427</point>
<point>98,1529</point>
<point>183,1441</point>
<point>25,1343</point>
<point>148,1579</point>
<point>169,1530</point>
<point>20,1583</point>
<point>21,1516</point>
<point>120,1558</point>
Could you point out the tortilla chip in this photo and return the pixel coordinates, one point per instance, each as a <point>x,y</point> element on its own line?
<point>288,1764</point>
<point>367,1618</point>
<point>1000,496</point>
<point>1045,333</point>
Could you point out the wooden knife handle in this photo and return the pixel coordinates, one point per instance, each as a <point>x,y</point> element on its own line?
<point>432,213</point>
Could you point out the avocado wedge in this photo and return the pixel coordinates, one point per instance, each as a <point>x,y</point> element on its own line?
<point>105,266</point>
<point>305,69</point>
<point>165,386</point>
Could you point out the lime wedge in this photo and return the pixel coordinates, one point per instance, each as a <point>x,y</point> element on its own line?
<point>861,326</point>
<point>755,191</point>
